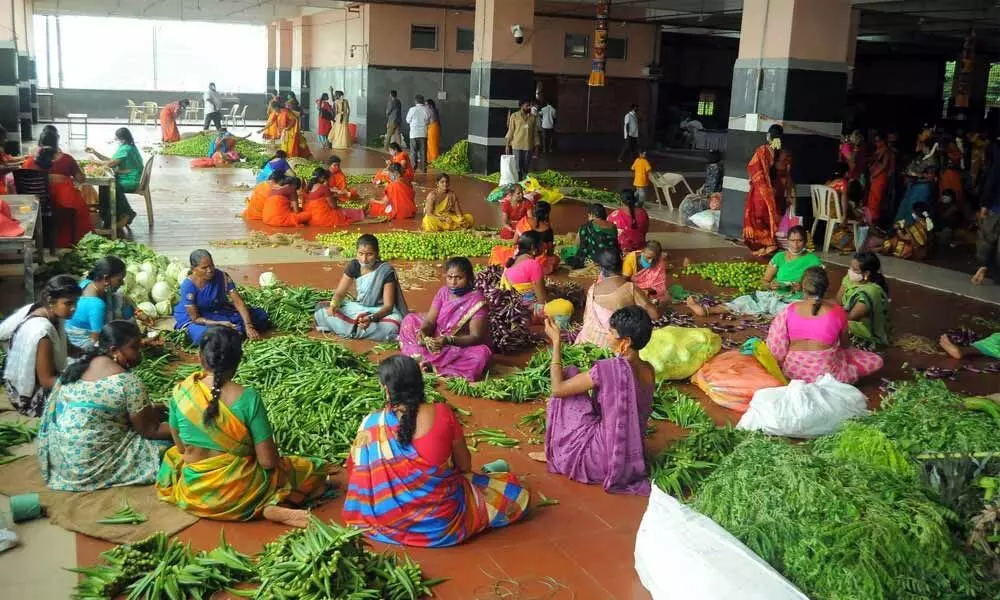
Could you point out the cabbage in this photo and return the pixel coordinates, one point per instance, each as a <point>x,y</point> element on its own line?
<point>163,308</point>
<point>148,267</point>
<point>148,308</point>
<point>138,294</point>
<point>131,267</point>
<point>161,292</point>
<point>129,279</point>
<point>267,279</point>
<point>176,271</point>
<point>144,279</point>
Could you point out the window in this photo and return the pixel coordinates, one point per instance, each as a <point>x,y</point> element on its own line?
<point>617,48</point>
<point>948,86</point>
<point>706,104</point>
<point>423,37</point>
<point>465,39</point>
<point>993,85</point>
<point>577,45</point>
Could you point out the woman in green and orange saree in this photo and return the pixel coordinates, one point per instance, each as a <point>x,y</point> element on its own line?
<point>224,464</point>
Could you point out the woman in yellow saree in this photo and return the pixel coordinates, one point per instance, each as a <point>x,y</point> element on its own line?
<point>442,212</point>
<point>271,131</point>
<point>292,140</point>
<point>224,464</point>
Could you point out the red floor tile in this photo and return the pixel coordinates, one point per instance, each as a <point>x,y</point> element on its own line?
<point>533,561</point>
<point>607,556</point>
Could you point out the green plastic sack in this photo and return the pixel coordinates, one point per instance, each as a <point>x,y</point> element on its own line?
<point>678,352</point>
<point>498,194</point>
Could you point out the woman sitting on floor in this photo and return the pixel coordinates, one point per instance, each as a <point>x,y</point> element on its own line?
<point>397,156</point>
<point>277,164</point>
<point>647,268</point>
<point>409,474</point>
<point>514,207</point>
<point>524,274</point>
<point>599,438</point>
<point>781,284</point>
<point>209,298</point>
<point>281,209</point>
<point>539,221</point>
<point>864,294</point>
<point>320,209</point>
<point>224,464</point>
<point>397,202</point>
<point>99,429</point>
<point>262,191</point>
<point>452,339</point>
<point>611,292</point>
<point>36,344</point>
<point>100,303</point>
<point>632,222</point>
<point>64,173</point>
<point>338,180</point>
<point>594,235</point>
<point>912,238</point>
<point>127,164</point>
<point>810,337</point>
<point>380,306</point>
<point>442,211</point>
<point>988,346</point>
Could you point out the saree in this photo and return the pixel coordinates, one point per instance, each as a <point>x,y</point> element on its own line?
<point>454,313</point>
<point>324,123</point>
<point>847,365</point>
<point>212,302</point>
<point>592,239</point>
<point>397,497</point>
<point>918,192</point>
<point>914,245</point>
<point>401,158</point>
<point>22,332</point>
<point>650,279</point>
<point>277,212</point>
<point>318,210</point>
<point>445,217</point>
<point>340,137</point>
<point>630,237</point>
<point>278,164</point>
<point>399,203</point>
<point>65,196</point>
<point>433,140</point>
<point>255,203</point>
<point>168,123</point>
<point>599,438</point>
<point>369,288</point>
<point>875,326</point>
<point>292,141</point>
<point>272,130</point>
<point>500,254</point>
<point>93,312</point>
<point>766,302</point>
<point>596,322</point>
<point>230,486</point>
<point>767,198</point>
<point>881,178</point>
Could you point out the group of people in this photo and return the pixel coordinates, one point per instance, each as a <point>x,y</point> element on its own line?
<point>424,125</point>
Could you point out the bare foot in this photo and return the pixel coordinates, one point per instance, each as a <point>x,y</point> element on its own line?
<point>696,308</point>
<point>686,262</point>
<point>949,347</point>
<point>292,517</point>
<point>538,457</point>
<point>980,277</point>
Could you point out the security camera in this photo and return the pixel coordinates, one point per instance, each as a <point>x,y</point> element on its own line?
<point>518,33</point>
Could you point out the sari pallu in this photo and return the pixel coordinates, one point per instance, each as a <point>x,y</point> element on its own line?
<point>767,198</point>
<point>875,326</point>
<point>599,438</point>
<point>500,254</point>
<point>454,313</point>
<point>651,279</point>
<point>397,497</point>
<point>231,486</point>
<point>369,287</point>
<point>443,219</point>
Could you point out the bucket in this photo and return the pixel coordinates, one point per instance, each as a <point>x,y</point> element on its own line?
<point>25,507</point>
<point>497,466</point>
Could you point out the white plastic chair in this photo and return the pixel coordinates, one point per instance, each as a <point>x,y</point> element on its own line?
<point>241,118</point>
<point>135,113</point>
<point>230,118</point>
<point>151,112</point>
<point>191,112</point>
<point>143,189</point>
<point>665,184</point>
<point>826,207</point>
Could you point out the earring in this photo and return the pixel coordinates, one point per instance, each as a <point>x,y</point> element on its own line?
<point>114,357</point>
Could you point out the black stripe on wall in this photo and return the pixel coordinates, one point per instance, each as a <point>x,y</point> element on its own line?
<point>8,66</point>
<point>24,70</point>
<point>488,121</point>
<point>484,159</point>
<point>501,84</point>
<point>791,94</point>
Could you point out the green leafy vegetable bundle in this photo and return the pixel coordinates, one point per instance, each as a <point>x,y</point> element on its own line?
<point>416,245</point>
<point>455,160</point>
<point>13,433</point>
<point>290,309</point>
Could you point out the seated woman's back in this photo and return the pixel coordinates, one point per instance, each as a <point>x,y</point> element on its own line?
<point>822,329</point>
<point>614,292</point>
<point>244,403</point>
<point>436,433</point>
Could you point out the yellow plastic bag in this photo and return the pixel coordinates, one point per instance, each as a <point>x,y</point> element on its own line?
<point>763,355</point>
<point>550,195</point>
<point>678,352</point>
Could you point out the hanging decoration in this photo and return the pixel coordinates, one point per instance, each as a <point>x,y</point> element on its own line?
<point>598,60</point>
<point>962,89</point>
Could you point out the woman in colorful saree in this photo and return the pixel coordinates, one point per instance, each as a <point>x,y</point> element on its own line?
<point>292,141</point>
<point>168,120</point>
<point>320,208</point>
<point>397,200</point>
<point>771,190</point>
<point>810,337</point>
<point>611,292</point>
<point>101,303</point>
<point>537,220</point>
<point>99,429</point>
<point>396,156</point>
<point>594,235</point>
<point>513,207</point>
<point>864,294</point>
<point>127,165</point>
<point>277,163</point>
<point>409,474</point>
<point>36,345</point>
<point>64,175</point>
<point>647,268</point>
<point>912,238</point>
<point>271,129</point>
<point>442,211</point>
<point>324,117</point>
<point>632,222</point>
<point>380,306</point>
<point>209,298</point>
<point>224,464</point>
<point>282,210</point>
<point>452,339</point>
<point>781,284</point>
<point>598,437</point>
<point>524,274</point>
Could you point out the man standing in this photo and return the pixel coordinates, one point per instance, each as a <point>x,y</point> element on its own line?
<point>393,120</point>
<point>213,107</point>
<point>631,131</point>
<point>548,117</point>
<point>522,137</point>
<point>418,118</point>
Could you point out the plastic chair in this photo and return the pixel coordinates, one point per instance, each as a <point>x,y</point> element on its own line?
<point>826,207</point>
<point>143,189</point>
<point>135,113</point>
<point>151,111</point>
<point>191,112</point>
<point>242,117</point>
<point>665,184</point>
<point>230,117</point>
<point>34,182</point>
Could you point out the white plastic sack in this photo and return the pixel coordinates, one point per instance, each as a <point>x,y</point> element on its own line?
<point>680,553</point>
<point>706,219</point>
<point>508,169</point>
<point>804,410</point>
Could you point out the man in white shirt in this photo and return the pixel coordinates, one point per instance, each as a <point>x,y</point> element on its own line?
<point>548,116</point>
<point>417,118</point>
<point>213,107</point>
<point>631,134</point>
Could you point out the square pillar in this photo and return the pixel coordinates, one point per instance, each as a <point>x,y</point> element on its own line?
<point>10,101</point>
<point>24,76</point>
<point>501,76</point>
<point>299,72</point>
<point>283,57</point>
<point>792,70</point>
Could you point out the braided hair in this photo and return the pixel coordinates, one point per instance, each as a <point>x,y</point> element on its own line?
<point>815,283</point>
<point>221,349</point>
<point>113,335</point>
<point>529,243</point>
<point>629,200</point>
<point>404,383</point>
<point>871,264</point>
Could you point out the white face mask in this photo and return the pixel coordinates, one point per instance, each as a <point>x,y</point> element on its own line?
<point>855,276</point>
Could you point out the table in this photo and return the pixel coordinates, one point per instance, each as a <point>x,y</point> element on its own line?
<point>25,243</point>
<point>707,139</point>
<point>45,103</point>
<point>107,181</point>
<point>77,119</point>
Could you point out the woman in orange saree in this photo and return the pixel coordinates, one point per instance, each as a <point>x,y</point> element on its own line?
<point>881,177</point>
<point>168,120</point>
<point>292,140</point>
<point>271,130</point>
<point>771,189</point>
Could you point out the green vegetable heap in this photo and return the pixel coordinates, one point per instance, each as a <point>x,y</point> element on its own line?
<point>744,276</point>
<point>290,309</point>
<point>595,195</point>
<point>455,160</point>
<point>196,146</point>
<point>414,245</point>
<point>13,433</point>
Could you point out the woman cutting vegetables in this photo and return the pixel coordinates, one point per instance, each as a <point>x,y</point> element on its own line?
<point>127,165</point>
<point>100,303</point>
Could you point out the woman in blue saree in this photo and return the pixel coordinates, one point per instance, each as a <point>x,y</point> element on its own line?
<point>380,307</point>
<point>209,297</point>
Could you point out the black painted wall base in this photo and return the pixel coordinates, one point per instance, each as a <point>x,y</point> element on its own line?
<point>485,159</point>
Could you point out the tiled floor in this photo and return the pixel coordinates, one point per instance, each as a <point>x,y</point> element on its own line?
<point>586,542</point>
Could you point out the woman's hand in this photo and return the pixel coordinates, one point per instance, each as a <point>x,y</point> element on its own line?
<point>252,334</point>
<point>773,286</point>
<point>553,332</point>
<point>363,321</point>
<point>434,344</point>
<point>89,150</point>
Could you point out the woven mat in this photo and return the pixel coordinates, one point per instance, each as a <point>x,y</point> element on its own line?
<point>80,511</point>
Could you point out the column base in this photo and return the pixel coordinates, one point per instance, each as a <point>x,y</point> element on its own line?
<point>485,159</point>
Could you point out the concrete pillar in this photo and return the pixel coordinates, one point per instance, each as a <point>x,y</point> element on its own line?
<point>283,56</point>
<point>502,75</point>
<point>272,57</point>
<point>792,70</point>
<point>300,69</point>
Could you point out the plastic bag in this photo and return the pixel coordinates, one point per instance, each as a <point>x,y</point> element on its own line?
<point>804,410</point>
<point>508,169</point>
<point>498,194</point>
<point>677,352</point>
<point>731,379</point>
<point>758,349</point>
<point>680,553</point>
<point>706,219</point>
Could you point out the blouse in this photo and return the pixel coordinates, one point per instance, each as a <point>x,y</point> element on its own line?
<point>248,408</point>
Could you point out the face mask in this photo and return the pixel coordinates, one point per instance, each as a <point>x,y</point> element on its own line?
<point>797,252</point>
<point>855,276</point>
<point>644,262</point>
<point>461,291</point>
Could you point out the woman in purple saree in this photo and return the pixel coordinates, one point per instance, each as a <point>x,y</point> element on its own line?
<point>452,338</point>
<point>599,438</point>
